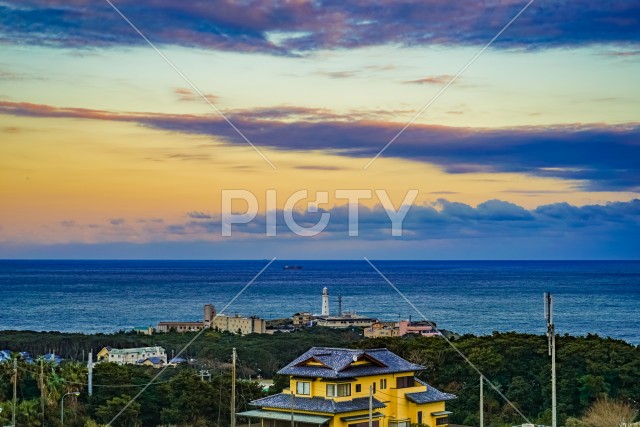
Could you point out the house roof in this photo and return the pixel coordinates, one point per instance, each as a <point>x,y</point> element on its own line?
<point>154,360</point>
<point>432,394</point>
<point>285,416</point>
<point>316,404</point>
<point>136,350</point>
<point>335,363</point>
<point>194,323</point>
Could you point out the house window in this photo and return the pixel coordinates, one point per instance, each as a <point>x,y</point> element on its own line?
<point>338,390</point>
<point>375,423</point>
<point>303,387</point>
<point>399,423</point>
<point>404,382</point>
<point>358,388</point>
<point>442,421</point>
<point>383,384</point>
<point>419,417</point>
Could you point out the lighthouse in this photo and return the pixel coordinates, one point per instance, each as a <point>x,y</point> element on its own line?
<point>325,301</point>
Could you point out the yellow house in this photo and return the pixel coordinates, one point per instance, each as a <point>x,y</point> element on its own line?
<point>336,387</point>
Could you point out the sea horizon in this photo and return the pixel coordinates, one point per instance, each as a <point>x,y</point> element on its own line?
<point>464,296</point>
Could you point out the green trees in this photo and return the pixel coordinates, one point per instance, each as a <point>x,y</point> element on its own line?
<point>589,368</point>
<point>128,416</point>
<point>518,365</point>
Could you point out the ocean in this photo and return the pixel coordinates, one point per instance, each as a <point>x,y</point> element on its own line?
<point>477,297</point>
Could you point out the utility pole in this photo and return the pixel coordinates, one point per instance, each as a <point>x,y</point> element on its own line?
<point>370,406</point>
<point>90,370</point>
<point>481,401</point>
<point>15,390</point>
<point>42,392</point>
<point>233,388</point>
<point>551,335</point>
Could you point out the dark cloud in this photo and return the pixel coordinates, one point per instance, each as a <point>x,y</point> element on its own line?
<point>304,26</point>
<point>443,230</point>
<point>450,220</point>
<point>68,223</point>
<point>117,221</point>
<point>598,157</point>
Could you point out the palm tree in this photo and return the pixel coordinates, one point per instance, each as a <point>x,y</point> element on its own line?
<point>28,413</point>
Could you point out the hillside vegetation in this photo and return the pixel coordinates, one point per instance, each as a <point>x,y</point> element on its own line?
<point>589,368</point>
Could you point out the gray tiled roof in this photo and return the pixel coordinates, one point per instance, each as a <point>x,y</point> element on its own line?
<point>316,404</point>
<point>337,361</point>
<point>431,395</point>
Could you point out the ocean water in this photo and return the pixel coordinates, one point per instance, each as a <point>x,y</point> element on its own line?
<point>479,297</point>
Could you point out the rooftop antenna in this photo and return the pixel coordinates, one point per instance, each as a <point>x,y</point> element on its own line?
<point>551,338</point>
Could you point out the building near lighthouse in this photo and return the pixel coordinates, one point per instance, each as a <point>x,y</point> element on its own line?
<point>235,324</point>
<point>341,320</point>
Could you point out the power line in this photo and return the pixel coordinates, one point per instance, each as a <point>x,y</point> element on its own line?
<point>86,384</point>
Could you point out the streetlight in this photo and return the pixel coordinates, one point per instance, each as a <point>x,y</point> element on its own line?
<point>75,393</point>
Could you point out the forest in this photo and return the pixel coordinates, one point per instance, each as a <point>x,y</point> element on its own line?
<point>515,366</point>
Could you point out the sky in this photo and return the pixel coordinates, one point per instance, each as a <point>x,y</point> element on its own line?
<point>123,122</point>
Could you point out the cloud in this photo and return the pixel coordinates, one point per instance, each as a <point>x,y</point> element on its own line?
<point>444,229</point>
<point>149,220</point>
<point>199,215</point>
<point>442,219</point>
<point>597,157</point>
<point>186,94</point>
<point>339,74</point>
<point>433,80</point>
<point>622,53</point>
<point>319,168</point>
<point>117,221</point>
<point>282,27</point>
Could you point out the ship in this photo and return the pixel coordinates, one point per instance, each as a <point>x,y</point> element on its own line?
<point>292,267</point>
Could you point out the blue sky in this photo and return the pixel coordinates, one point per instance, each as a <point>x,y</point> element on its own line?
<point>107,151</point>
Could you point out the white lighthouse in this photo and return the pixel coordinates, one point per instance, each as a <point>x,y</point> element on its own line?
<point>325,301</point>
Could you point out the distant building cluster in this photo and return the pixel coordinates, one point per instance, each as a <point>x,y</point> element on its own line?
<point>401,328</point>
<point>255,325</point>
<point>235,324</point>
<point>373,327</point>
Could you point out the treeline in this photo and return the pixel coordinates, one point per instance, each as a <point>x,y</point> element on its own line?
<point>517,365</point>
<point>181,396</point>
<point>258,354</point>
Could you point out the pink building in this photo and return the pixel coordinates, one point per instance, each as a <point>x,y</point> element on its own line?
<point>420,328</point>
<point>403,327</point>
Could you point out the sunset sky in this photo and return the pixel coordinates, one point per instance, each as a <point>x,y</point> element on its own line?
<point>108,151</point>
